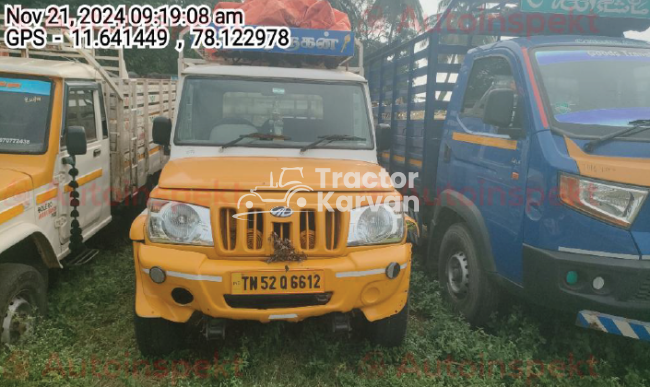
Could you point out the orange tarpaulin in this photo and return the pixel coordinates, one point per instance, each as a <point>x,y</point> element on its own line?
<point>314,14</point>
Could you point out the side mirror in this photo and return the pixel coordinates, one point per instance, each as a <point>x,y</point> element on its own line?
<point>162,131</point>
<point>499,108</point>
<point>384,137</point>
<point>75,140</point>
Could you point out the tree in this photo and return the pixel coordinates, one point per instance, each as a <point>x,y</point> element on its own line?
<point>400,15</point>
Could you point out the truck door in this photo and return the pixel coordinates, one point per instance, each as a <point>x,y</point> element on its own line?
<point>489,168</point>
<point>83,107</point>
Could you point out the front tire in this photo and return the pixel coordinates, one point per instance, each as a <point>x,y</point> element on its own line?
<point>391,331</point>
<point>157,337</point>
<point>465,285</point>
<point>23,297</point>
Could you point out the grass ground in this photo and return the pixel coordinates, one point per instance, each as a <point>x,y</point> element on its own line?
<point>87,340</point>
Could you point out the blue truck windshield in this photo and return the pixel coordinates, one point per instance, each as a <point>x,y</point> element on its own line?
<point>594,91</point>
<point>24,115</point>
<point>216,112</point>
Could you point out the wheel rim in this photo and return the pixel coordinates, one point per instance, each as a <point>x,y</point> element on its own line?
<point>458,274</point>
<point>18,320</point>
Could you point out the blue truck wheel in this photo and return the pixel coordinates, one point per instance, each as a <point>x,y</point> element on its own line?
<point>465,285</point>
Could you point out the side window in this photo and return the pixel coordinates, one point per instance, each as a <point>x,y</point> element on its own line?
<point>487,74</point>
<point>81,112</point>
<point>102,110</point>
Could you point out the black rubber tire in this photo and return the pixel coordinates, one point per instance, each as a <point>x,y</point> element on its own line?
<point>430,256</point>
<point>16,279</point>
<point>481,299</point>
<point>157,337</point>
<point>389,332</point>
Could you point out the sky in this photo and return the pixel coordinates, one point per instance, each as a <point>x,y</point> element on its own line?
<point>431,7</point>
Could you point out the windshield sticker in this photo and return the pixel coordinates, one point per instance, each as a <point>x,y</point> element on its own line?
<point>277,90</point>
<point>33,99</point>
<point>608,42</point>
<point>554,57</point>
<point>601,8</point>
<point>608,117</point>
<point>21,141</point>
<point>27,86</point>
<point>563,107</point>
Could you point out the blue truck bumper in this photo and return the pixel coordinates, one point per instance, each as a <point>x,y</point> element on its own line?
<point>625,288</point>
<point>615,325</point>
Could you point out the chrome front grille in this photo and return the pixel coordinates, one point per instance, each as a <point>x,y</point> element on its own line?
<point>248,234</point>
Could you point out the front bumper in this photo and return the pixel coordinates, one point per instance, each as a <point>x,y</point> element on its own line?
<point>356,281</point>
<point>626,291</point>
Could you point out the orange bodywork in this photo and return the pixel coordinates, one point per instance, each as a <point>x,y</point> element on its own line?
<point>355,276</point>
<point>221,174</point>
<point>356,280</point>
<point>624,170</point>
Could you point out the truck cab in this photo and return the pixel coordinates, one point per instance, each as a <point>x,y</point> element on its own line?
<point>533,153</point>
<point>565,221</point>
<point>39,98</point>
<point>244,223</point>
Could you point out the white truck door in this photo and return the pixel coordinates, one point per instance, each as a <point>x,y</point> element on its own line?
<point>82,107</point>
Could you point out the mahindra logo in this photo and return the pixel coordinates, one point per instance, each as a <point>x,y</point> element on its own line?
<point>281,212</point>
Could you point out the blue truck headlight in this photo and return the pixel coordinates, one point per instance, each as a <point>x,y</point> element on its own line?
<point>179,223</point>
<point>376,225</point>
<point>610,202</point>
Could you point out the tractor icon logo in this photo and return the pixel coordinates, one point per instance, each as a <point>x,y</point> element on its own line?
<point>292,187</point>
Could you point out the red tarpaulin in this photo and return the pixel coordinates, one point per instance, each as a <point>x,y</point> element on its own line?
<point>314,14</point>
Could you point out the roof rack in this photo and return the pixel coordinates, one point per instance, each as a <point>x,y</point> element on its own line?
<point>311,48</point>
<point>109,63</point>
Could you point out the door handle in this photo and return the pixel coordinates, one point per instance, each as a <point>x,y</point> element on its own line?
<point>97,152</point>
<point>447,154</point>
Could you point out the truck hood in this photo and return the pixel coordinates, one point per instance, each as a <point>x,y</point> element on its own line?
<point>270,174</point>
<point>634,169</point>
<point>13,183</point>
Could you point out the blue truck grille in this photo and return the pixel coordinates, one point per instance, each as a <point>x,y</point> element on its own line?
<point>643,294</point>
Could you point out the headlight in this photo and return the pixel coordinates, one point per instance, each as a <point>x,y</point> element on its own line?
<point>611,203</point>
<point>376,225</point>
<point>179,223</point>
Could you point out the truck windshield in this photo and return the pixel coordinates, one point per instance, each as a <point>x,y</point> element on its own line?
<point>24,115</point>
<point>216,112</point>
<point>594,91</point>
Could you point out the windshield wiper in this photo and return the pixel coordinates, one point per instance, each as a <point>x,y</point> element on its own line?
<point>640,125</point>
<point>257,136</point>
<point>329,139</point>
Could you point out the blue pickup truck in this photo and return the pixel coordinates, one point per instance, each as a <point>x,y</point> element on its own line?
<point>533,159</point>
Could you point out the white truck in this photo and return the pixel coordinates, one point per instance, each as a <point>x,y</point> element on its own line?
<point>75,140</point>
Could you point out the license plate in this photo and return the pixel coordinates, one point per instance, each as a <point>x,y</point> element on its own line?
<point>280,282</point>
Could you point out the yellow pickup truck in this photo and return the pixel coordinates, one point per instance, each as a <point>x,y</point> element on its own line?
<point>272,208</point>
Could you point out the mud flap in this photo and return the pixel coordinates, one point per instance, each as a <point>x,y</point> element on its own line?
<point>620,326</point>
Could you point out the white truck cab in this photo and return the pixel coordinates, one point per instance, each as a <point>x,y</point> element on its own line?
<point>75,140</point>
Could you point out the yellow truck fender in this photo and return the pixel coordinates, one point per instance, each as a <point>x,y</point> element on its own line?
<point>22,231</point>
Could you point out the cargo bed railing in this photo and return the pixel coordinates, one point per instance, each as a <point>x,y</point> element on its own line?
<point>109,63</point>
